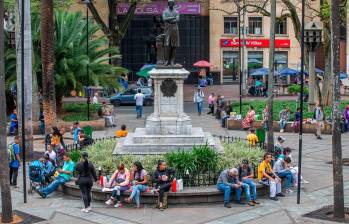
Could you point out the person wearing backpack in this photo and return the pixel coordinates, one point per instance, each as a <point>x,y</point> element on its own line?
<point>14,160</point>
<point>319,117</point>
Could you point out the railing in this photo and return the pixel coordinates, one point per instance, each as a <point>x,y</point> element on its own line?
<point>77,146</point>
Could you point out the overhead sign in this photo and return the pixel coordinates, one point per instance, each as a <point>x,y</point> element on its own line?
<point>250,43</point>
<point>156,8</point>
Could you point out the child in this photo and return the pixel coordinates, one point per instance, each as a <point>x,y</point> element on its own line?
<point>121,133</point>
<point>252,138</point>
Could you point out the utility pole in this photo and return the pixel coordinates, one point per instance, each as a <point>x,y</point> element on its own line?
<point>6,203</point>
<point>338,192</point>
<point>271,74</point>
<point>244,50</point>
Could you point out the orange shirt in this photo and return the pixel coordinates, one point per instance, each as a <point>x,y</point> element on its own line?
<point>121,133</point>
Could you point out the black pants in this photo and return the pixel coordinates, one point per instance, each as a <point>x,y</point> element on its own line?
<point>162,189</point>
<point>86,193</point>
<point>13,176</point>
<point>211,109</point>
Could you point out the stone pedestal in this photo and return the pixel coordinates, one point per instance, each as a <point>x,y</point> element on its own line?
<point>168,128</point>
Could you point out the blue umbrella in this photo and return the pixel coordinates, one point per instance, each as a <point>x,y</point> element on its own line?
<point>287,72</point>
<point>147,66</point>
<point>259,72</point>
<point>342,75</point>
<point>317,71</point>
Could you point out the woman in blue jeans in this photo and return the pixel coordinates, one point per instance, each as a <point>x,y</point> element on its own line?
<point>139,180</point>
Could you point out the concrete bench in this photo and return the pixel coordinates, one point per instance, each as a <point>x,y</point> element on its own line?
<point>189,195</point>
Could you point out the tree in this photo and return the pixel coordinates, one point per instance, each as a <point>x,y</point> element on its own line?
<point>28,80</point>
<point>6,202</point>
<point>115,30</point>
<point>47,60</point>
<point>338,191</point>
<point>271,75</point>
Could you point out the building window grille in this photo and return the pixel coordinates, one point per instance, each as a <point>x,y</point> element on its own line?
<point>281,26</point>
<point>255,25</point>
<point>230,25</point>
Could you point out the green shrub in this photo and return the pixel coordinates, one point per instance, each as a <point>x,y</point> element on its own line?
<point>75,156</point>
<point>182,161</point>
<point>295,88</point>
<point>79,107</point>
<point>235,152</point>
<point>205,159</point>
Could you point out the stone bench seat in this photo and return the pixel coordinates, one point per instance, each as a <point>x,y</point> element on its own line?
<point>189,195</point>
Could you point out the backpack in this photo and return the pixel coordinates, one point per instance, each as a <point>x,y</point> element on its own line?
<point>11,152</point>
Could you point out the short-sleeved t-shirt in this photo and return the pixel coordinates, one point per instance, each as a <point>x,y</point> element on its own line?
<point>244,172</point>
<point>140,176</point>
<point>52,155</point>
<point>16,151</point>
<point>13,117</point>
<point>75,134</point>
<point>139,97</point>
<point>264,166</point>
<point>68,166</point>
<point>252,139</point>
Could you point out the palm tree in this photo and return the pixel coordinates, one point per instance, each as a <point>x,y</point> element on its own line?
<point>4,166</point>
<point>47,60</point>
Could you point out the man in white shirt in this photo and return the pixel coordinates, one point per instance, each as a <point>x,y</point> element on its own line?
<point>95,98</point>
<point>139,97</point>
<point>51,154</point>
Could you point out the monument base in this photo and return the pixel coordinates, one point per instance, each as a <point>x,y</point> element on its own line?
<point>139,143</point>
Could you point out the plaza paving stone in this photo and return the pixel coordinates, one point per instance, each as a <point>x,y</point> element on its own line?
<point>59,208</point>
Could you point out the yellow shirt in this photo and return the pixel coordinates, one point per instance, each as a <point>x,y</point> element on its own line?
<point>264,166</point>
<point>252,139</point>
<point>55,140</point>
<point>121,133</point>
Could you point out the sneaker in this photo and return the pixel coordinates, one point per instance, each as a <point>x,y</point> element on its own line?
<point>319,137</point>
<point>250,203</point>
<point>255,202</point>
<point>89,208</point>
<point>84,210</point>
<point>280,195</point>
<point>289,191</point>
<point>274,198</point>
<point>227,205</point>
<point>118,205</point>
<point>109,202</point>
<point>304,182</point>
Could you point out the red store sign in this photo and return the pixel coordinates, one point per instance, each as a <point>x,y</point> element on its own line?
<point>250,43</point>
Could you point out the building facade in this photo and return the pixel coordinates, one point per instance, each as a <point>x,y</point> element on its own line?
<point>224,39</point>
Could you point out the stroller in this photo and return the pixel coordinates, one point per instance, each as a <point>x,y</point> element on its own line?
<point>36,176</point>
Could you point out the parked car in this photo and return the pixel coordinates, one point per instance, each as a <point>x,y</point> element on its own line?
<point>127,97</point>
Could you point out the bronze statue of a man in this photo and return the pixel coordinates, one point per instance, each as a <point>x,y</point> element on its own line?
<point>171,17</point>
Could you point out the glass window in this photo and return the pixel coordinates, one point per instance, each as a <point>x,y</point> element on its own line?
<point>255,60</point>
<point>281,26</point>
<point>255,25</point>
<point>230,25</point>
<point>230,65</point>
<point>281,60</point>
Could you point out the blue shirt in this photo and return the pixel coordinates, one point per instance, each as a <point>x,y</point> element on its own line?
<point>75,134</point>
<point>13,117</point>
<point>16,151</point>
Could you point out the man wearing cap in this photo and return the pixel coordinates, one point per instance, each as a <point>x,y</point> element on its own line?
<point>246,177</point>
<point>227,181</point>
<point>199,100</point>
<point>170,17</point>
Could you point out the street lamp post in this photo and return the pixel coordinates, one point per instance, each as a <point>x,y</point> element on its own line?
<point>87,66</point>
<point>240,64</point>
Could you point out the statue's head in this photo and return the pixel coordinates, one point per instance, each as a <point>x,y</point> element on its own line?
<point>171,4</point>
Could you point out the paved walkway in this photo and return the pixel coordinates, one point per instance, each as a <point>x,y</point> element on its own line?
<point>59,208</point>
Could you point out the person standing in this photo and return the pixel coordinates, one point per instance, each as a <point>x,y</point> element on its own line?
<point>199,100</point>
<point>210,102</point>
<point>13,123</point>
<point>265,118</point>
<point>284,116</point>
<point>95,98</point>
<point>319,119</point>
<point>75,131</point>
<point>14,159</point>
<point>86,177</point>
<point>346,118</point>
<point>139,97</point>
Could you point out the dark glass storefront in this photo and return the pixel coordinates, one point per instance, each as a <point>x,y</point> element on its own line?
<point>194,34</point>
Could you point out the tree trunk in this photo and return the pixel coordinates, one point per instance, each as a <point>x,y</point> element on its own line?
<point>35,98</point>
<point>338,191</point>
<point>27,63</point>
<point>6,202</point>
<point>312,82</point>
<point>326,91</point>
<point>271,75</point>
<point>47,57</point>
